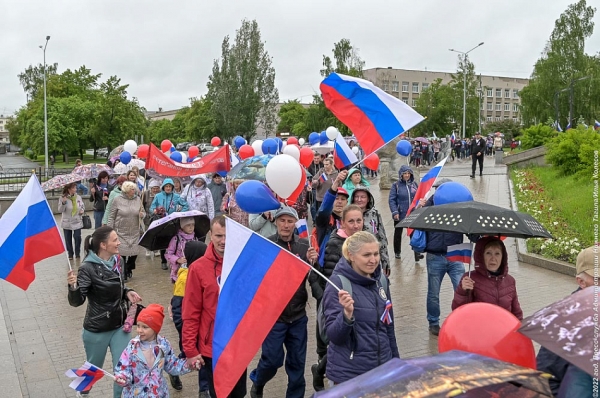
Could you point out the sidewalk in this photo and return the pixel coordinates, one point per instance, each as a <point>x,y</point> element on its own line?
<point>40,335</point>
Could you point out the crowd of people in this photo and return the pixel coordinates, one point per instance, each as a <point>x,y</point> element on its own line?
<point>348,245</point>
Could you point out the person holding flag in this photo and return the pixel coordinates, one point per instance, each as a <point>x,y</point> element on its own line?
<point>402,194</point>
<point>323,179</point>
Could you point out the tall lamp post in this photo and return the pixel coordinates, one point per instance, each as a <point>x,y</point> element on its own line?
<point>464,54</point>
<point>45,111</point>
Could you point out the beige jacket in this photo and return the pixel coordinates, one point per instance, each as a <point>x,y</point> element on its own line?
<point>124,217</point>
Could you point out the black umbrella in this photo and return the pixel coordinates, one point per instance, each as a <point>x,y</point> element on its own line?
<point>475,218</point>
<point>160,232</point>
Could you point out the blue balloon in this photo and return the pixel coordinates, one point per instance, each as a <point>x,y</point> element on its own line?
<point>190,160</point>
<point>255,197</point>
<point>176,156</point>
<point>172,149</point>
<point>323,139</point>
<point>452,192</point>
<point>403,148</point>
<point>279,144</point>
<point>238,142</point>
<point>269,146</point>
<point>125,157</point>
<point>314,138</point>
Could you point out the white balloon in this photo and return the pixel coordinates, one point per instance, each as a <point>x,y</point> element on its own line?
<point>283,174</point>
<point>257,146</point>
<point>130,146</point>
<point>301,141</point>
<point>293,151</point>
<point>355,150</point>
<point>332,133</point>
<point>184,157</point>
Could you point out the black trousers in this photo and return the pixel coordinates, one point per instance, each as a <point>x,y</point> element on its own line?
<point>129,265</point>
<point>398,240</point>
<point>474,165</point>
<point>239,391</point>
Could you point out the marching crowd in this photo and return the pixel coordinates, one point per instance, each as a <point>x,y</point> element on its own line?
<point>348,245</point>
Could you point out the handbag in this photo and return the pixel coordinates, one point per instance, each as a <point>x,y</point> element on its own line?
<point>87,221</point>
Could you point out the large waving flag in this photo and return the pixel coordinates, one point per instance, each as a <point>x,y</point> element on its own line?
<point>374,116</point>
<point>28,234</point>
<point>342,154</point>
<point>85,377</point>
<point>258,280</point>
<point>426,183</point>
<point>461,252</point>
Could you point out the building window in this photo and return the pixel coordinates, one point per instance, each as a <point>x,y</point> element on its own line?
<point>515,93</point>
<point>515,119</point>
<point>489,118</point>
<point>415,88</point>
<point>490,93</point>
<point>395,87</point>
<point>405,87</point>
<point>507,107</point>
<point>425,86</point>
<point>506,117</point>
<point>507,93</point>
<point>405,100</point>
<point>498,93</point>
<point>482,105</point>
<point>490,106</point>
<point>498,118</point>
<point>498,106</point>
<point>386,85</point>
<point>515,107</point>
<point>414,103</point>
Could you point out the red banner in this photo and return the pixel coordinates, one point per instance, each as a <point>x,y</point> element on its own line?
<point>160,163</point>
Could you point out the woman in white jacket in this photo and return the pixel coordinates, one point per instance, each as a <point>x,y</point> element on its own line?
<point>198,196</point>
<point>72,208</point>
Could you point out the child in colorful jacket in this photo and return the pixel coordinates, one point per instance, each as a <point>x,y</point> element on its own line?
<point>141,364</point>
<point>174,253</point>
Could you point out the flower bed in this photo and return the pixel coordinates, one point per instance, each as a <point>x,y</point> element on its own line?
<point>533,199</point>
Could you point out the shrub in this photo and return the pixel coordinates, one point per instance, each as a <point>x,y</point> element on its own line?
<point>572,152</point>
<point>537,135</point>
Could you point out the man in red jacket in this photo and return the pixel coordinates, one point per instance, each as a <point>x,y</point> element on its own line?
<point>200,306</point>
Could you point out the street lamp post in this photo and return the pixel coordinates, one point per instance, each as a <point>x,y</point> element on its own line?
<point>45,112</point>
<point>464,54</point>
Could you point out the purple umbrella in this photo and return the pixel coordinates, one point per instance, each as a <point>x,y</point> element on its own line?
<point>160,232</point>
<point>422,139</point>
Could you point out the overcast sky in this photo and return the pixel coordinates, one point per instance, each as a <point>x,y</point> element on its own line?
<point>165,49</point>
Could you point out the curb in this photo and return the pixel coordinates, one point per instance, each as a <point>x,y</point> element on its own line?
<point>534,259</point>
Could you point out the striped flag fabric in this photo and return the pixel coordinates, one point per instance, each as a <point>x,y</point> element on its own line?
<point>323,177</point>
<point>596,125</point>
<point>302,228</point>
<point>258,280</point>
<point>28,234</point>
<point>461,252</point>
<point>342,154</point>
<point>85,377</point>
<point>373,116</point>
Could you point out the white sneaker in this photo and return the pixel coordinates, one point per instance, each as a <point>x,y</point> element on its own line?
<point>148,253</point>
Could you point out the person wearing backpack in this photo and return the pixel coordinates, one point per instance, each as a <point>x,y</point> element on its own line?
<point>360,326</point>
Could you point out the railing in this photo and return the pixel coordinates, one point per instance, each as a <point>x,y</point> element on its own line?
<point>13,180</point>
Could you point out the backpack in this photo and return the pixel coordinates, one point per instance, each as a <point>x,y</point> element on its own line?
<point>418,241</point>
<point>347,286</point>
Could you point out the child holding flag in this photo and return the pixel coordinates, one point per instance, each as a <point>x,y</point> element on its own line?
<point>140,367</point>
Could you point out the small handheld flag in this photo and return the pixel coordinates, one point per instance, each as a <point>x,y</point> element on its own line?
<point>343,155</point>
<point>86,376</point>
<point>323,177</point>
<point>302,228</point>
<point>461,252</point>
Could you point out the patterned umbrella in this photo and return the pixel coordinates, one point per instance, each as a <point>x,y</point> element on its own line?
<point>251,169</point>
<point>59,181</point>
<point>422,139</point>
<point>124,168</point>
<point>91,170</point>
<point>116,152</point>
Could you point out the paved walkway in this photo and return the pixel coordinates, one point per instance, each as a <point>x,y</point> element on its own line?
<point>40,334</point>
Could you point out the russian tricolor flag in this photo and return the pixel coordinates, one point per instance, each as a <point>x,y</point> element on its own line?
<point>342,154</point>
<point>257,282</point>
<point>374,116</point>
<point>85,377</point>
<point>28,234</point>
<point>323,177</point>
<point>302,228</point>
<point>461,252</point>
<point>596,125</point>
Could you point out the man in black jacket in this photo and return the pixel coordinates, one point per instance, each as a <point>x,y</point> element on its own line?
<point>477,153</point>
<point>290,330</point>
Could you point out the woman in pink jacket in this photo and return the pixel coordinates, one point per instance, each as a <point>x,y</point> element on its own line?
<point>490,282</point>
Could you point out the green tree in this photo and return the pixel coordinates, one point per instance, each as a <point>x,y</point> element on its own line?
<point>537,135</point>
<point>437,103</point>
<point>32,78</point>
<point>200,124</point>
<point>160,130</point>
<point>572,152</point>
<point>241,88</point>
<point>290,114</point>
<point>346,60</point>
<point>465,68</point>
<point>565,72</point>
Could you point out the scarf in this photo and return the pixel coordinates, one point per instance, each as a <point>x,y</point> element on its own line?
<point>113,264</point>
<point>75,207</point>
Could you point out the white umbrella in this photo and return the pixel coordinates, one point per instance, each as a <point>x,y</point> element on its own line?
<point>323,149</point>
<point>124,168</point>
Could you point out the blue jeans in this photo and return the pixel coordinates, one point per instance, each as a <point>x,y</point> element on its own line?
<point>437,267</point>
<point>70,236</point>
<point>82,188</point>
<point>98,218</point>
<point>294,337</point>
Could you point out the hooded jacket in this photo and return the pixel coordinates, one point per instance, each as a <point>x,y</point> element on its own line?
<point>175,251</point>
<point>172,202</point>
<point>106,294</point>
<point>402,193</point>
<point>200,303</point>
<point>349,186</point>
<point>124,217</point>
<point>326,222</point>
<point>500,290</point>
<point>199,198</point>
<point>217,191</point>
<point>373,223</point>
<point>364,342</point>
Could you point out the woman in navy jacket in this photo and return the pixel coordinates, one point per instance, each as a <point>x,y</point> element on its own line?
<point>402,194</point>
<point>359,326</point>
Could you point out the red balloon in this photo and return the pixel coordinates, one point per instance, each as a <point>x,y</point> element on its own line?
<point>487,329</point>
<point>294,196</point>
<point>292,140</point>
<point>215,141</point>
<point>306,156</point>
<point>193,151</point>
<point>246,151</point>
<point>142,151</point>
<point>372,161</point>
<point>165,146</point>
